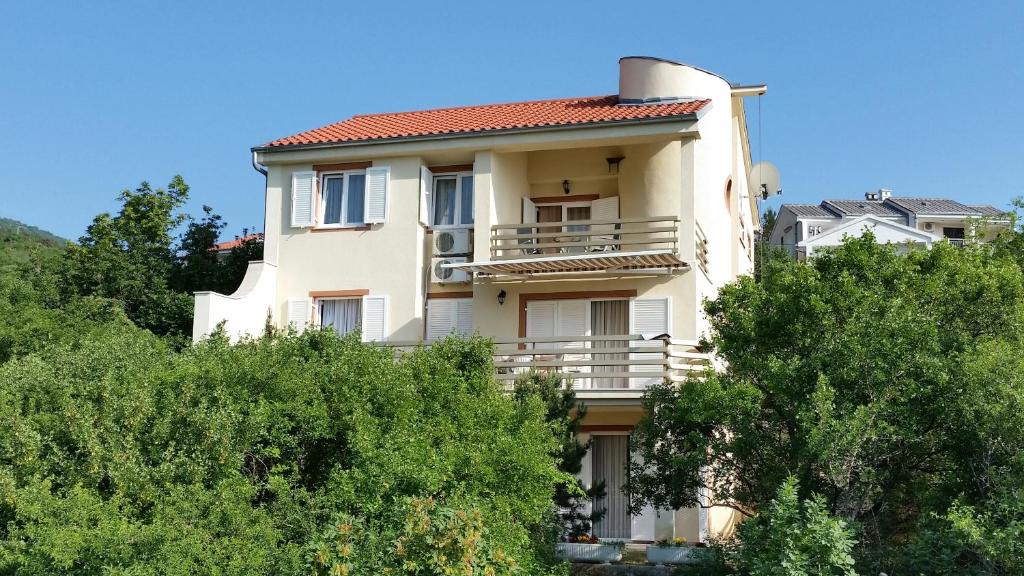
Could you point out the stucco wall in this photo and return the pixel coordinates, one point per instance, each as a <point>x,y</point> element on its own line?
<point>382,260</point>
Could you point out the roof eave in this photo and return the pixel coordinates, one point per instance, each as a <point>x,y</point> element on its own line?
<point>690,116</point>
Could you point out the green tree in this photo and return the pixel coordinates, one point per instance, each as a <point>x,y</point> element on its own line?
<point>793,537</point>
<point>136,259</point>
<point>881,381</point>
<point>130,257</point>
<point>121,456</point>
<point>565,415</point>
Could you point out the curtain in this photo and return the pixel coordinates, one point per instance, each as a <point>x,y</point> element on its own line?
<point>333,187</point>
<point>344,315</point>
<point>444,201</point>
<point>356,198</point>
<point>610,318</point>
<point>611,455</point>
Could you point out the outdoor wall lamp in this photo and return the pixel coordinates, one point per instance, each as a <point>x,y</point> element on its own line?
<point>565,186</point>
<point>501,297</point>
<point>613,164</point>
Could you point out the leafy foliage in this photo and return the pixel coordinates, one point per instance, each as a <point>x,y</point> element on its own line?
<point>134,259</point>
<point>794,538</point>
<point>886,383</point>
<point>121,456</point>
<point>565,416</point>
<point>20,244</point>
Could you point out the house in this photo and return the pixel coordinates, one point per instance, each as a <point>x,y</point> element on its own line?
<point>581,234</point>
<point>803,228</point>
<point>224,248</point>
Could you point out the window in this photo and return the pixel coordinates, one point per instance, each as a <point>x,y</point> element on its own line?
<point>344,315</point>
<point>453,200</point>
<point>342,199</point>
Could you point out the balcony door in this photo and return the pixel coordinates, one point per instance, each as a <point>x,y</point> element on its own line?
<point>583,317</point>
<point>610,460</point>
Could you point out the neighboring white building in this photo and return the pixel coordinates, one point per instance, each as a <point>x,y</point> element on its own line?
<point>801,229</point>
<point>581,234</point>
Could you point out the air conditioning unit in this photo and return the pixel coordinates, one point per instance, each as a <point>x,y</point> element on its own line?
<point>450,242</point>
<point>441,275</point>
<point>928,226</point>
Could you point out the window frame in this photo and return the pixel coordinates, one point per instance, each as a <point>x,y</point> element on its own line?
<point>322,199</point>
<point>458,176</point>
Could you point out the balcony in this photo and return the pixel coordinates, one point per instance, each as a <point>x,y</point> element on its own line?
<point>582,246</point>
<point>597,366</point>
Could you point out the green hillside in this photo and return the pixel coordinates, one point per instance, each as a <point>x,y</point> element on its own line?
<point>19,241</point>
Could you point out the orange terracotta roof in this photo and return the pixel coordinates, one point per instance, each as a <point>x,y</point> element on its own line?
<point>488,117</point>
<point>230,244</point>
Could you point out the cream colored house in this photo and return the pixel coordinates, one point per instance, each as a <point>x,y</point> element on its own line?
<point>582,234</point>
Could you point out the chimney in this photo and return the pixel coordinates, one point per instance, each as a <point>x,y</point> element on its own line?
<point>884,193</point>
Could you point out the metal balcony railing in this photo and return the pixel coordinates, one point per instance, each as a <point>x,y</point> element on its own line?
<point>619,235</point>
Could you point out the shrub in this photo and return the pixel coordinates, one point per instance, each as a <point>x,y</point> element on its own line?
<point>794,538</point>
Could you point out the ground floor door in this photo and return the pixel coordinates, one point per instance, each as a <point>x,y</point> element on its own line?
<point>610,456</point>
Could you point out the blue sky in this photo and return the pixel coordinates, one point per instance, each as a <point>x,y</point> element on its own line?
<point>96,97</point>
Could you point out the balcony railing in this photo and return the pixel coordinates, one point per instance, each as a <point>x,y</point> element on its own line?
<point>544,239</point>
<point>606,363</point>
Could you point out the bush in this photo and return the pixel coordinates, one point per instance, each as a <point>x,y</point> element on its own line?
<point>120,456</point>
<point>794,538</point>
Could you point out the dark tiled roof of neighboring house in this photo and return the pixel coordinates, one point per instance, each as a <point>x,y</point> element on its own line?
<point>811,210</point>
<point>223,246</point>
<point>861,207</point>
<point>987,210</point>
<point>932,206</point>
<point>489,117</point>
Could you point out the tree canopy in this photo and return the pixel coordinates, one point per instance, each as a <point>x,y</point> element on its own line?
<point>890,385</point>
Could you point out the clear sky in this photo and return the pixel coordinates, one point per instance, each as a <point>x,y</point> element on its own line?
<point>921,97</point>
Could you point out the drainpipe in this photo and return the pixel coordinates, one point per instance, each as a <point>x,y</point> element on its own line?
<point>262,170</point>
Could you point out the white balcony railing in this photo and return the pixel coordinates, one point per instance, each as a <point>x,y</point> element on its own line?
<point>607,363</point>
<point>544,239</point>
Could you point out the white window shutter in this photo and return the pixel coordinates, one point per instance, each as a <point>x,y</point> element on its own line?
<point>378,185</point>
<point>440,315</point>
<point>573,320</point>
<point>299,313</point>
<point>375,318</point>
<point>464,317</point>
<point>648,317</point>
<point>540,319</point>
<point>529,211</point>
<point>303,192</point>
<point>426,195</point>
<point>604,209</point>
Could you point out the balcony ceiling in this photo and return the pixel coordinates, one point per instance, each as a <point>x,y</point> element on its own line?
<point>593,262</point>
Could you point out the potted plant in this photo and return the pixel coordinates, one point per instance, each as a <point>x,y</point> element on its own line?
<point>674,551</point>
<point>589,548</point>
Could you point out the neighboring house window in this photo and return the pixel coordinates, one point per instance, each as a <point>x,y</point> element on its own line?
<point>453,200</point>
<point>344,315</point>
<point>342,199</point>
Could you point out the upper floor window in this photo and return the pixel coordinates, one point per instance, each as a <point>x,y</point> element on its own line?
<point>452,200</point>
<point>342,199</point>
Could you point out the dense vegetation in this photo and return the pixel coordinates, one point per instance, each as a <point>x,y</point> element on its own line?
<point>868,418</point>
<point>124,453</point>
<point>890,386</point>
<point>20,244</point>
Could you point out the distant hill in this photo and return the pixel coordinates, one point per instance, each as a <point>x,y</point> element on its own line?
<point>19,241</point>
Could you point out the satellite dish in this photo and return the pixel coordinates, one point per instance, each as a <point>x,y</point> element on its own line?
<point>764,178</point>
